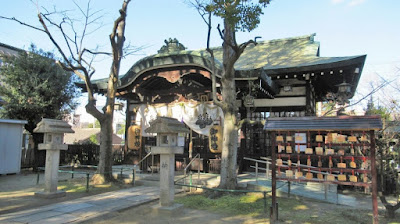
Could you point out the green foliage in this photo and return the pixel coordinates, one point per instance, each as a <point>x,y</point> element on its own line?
<point>95,125</point>
<point>243,15</point>
<point>121,130</point>
<point>34,86</point>
<point>384,112</point>
<point>93,139</point>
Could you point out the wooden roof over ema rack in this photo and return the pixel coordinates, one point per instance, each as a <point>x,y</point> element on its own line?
<point>348,123</point>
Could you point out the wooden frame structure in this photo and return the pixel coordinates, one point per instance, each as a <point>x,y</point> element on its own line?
<point>328,140</point>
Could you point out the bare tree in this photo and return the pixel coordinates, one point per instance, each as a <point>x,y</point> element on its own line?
<point>79,60</point>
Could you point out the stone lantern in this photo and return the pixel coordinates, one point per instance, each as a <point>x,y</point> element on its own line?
<point>167,130</point>
<point>53,142</point>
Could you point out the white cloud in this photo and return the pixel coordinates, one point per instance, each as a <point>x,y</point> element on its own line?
<point>356,2</point>
<point>349,2</point>
<point>337,1</point>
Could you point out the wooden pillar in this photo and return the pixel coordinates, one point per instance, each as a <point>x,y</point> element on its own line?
<point>127,124</point>
<point>273,184</point>
<point>375,219</point>
<point>190,145</point>
<point>308,99</point>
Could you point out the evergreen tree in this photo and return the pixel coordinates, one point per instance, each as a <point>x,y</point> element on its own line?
<point>33,87</point>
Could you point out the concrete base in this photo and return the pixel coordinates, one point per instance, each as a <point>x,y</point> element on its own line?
<point>49,195</point>
<point>168,210</point>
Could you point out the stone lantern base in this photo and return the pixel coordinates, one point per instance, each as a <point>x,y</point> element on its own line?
<point>49,195</point>
<point>167,210</point>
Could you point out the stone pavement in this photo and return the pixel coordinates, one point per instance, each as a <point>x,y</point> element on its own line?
<point>85,208</point>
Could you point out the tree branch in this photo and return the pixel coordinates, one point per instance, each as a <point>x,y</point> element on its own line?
<point>201,9</point>
<point>96,52</point>
<point>243,46</point>
<point>357,102</point>
<point>65,36</point>
<point>22,23</point>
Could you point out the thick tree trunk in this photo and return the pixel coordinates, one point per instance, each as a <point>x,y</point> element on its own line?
<point>104,168</point>
<point>229,153</point>
<point>230,143</point>
<point>117,39</point>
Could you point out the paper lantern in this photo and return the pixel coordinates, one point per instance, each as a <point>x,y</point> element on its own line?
<point>215,139</point>
<point>134,137</point>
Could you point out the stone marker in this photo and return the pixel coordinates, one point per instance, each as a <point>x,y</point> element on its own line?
<point>52,142</point>
<point>167,130</point>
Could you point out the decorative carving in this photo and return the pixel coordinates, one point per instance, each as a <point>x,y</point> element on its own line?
<point>204,120</point>
<point>171,45</point>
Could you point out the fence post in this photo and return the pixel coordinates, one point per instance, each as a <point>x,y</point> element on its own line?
<point>265,202</point>
<point>72,173</point>
<point>337,197</point>
<point>37,179</point>
<point>87,182</point>
<point>121,174</point>
<point>288,189</point>
<point>198,170</point>
<point>152,163</point>
<point>133,176</point>
<point>257,171</point>
<point>190,182</point>
<point>267,170</point>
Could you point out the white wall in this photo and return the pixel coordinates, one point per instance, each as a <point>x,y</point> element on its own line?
<point>10,145</point>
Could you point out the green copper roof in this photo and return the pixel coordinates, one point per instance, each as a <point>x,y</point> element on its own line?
<point>274,57</point>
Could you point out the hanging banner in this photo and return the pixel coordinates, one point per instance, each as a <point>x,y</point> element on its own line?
<point>187,112</point>
<point>134,137</point>
<point>215,139</point>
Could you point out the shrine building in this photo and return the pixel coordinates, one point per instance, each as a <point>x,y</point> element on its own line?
<point>276,78</point>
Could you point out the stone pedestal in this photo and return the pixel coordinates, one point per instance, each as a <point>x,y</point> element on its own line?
<point>167,172</point>
<point>51,176</point>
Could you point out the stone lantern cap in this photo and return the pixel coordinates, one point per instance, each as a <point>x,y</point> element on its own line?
<point>53,126</point>
<point>166,125</point>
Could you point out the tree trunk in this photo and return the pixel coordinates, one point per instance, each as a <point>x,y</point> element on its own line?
<point>390,209</point>
<point>230,143</point>
<point>390,212</point>
<point>104,168</point>
<point>117,39</point>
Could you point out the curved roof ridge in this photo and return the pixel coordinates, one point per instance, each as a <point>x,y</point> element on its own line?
<point>309,37</point>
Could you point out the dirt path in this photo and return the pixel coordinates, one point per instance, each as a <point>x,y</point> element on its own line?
<point>144,215</point>
<point>17,191</point>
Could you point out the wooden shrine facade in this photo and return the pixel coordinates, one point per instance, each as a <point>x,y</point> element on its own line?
<point>280,78</point>
<point>331,150</point>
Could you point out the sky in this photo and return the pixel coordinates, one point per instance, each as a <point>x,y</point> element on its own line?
<point>343,28</point>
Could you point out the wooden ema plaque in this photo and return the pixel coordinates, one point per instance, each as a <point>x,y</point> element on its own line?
<point>345,156</point>
<point>336,164</point>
